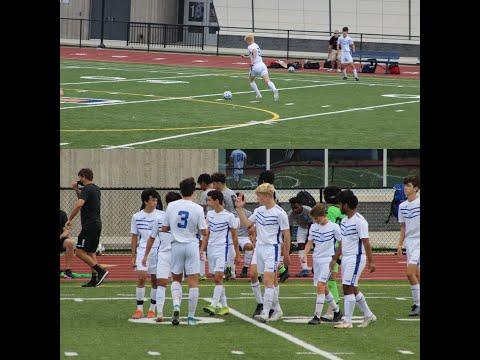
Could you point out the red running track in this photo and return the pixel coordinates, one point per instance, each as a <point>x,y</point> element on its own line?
<point>389,267</point>
<point>198,60</point>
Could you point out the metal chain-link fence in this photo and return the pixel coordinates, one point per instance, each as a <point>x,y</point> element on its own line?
<point>119,204</point>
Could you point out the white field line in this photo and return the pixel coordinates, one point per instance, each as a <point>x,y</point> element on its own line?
<point>230,298</point>
<point>259,123</point>
<point>247,284</point>
<point>286,336</point>
<point>195,96</point>
<point>139,79</point>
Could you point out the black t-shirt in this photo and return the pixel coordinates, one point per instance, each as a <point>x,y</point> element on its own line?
<point>90,211</point>
<point>333,42</point>
<point>63,221</point>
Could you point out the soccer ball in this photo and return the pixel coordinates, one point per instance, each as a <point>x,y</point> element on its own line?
<point>291,69</point>
<point>227,95</point>
<point>100,249</point>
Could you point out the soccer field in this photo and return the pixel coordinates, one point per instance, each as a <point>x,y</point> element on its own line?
<point>95,325</point>
<point>110,105</point>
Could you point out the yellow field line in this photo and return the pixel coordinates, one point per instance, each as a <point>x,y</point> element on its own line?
<point>274,115</point>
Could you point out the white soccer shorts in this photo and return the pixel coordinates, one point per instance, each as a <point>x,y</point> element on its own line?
<point>413,253</point>
<point>151,267</point>
<point>217,259</point>
<point>259,69</point>
<point>164,261</point>
<point>243,240</point>
<point>254,257</point>
<point>185,256</point>
<point>321,270</point>
<point>346,58</point>
<point>352,268</point>
<point>267,257</point>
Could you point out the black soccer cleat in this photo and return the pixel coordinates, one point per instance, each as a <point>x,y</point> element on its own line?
<point>415,310</point>
<point>356,79</point>
<point>344,78</point>
<point>244,273</point>
<point>91,283</point>
<point>101,276</point>
<point>284,276</point>
<point>270,313</point>
<point>260,279</point>
<point>68,274</point>
<point>176,317</point>
<point>337,316</point>
<point>258,310</point>
<point>315,321</point>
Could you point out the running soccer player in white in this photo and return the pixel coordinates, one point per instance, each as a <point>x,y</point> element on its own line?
<point>238,158</point>
<point>185,219</point>
<point>164,254</point>
<point>141,227</point>
<point>355,251</point>
<point>258,67</point>
<point>347,47</point>
<point>271,222</point>
<point>324,234</point>
<point>409,219</point>
<point>221,224</point>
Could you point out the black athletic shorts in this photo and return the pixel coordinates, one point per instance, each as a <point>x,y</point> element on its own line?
<point>89,238</point>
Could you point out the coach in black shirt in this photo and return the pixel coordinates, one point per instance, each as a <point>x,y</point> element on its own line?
<point>88,204</point>
<point>334,50</point>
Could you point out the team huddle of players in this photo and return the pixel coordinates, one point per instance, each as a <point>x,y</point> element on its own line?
<point>216,226</point>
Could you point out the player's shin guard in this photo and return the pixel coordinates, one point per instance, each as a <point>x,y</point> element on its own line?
<point>362,304</point>
<point>192,301</point>
<point>176,289</point>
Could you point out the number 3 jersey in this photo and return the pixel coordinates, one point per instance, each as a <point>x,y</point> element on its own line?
<point>185,219</point>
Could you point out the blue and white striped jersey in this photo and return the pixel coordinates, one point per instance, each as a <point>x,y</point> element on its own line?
<point>219,225</point>
<point>353,230</point>
<point>324,238</point>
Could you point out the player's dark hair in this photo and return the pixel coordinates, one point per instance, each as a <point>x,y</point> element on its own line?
<point>204,178</point>
<point>219,177</point>
<point>295,200</point>
<point>330,193</point>
<point>86,173</point>
<point>151,192</point>
<point>216,195</point>
<point>266,176</point>
<point>345,28</point>
<point>412,179</point>
<point>349,198</point>
<point>172,196</point>
<point>187,186</point>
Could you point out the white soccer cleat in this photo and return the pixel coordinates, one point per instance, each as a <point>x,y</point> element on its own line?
<point>275,95</point>
<point>277,315</point>
<point>367,321</point>
<point>262,317</point>
<point>258,97</point>
<point>343,325</point>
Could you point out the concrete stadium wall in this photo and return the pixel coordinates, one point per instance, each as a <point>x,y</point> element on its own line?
<point>74,9</point>
<point>156,11</point>
<point>362,16</point>
<point>137,168</point>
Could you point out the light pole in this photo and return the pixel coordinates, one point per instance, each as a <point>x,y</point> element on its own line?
<point>102,45</point>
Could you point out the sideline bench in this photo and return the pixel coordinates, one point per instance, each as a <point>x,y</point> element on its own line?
<point>376,57</point>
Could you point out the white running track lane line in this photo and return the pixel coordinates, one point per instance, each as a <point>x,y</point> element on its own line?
<point>260,122</point>
<point>282,334</point>
<point>194,96</point>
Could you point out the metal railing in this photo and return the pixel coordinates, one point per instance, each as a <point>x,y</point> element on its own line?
<point>119,204</point>
<point>156,36</point>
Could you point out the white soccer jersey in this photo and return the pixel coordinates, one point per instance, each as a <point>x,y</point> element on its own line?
<point>324,237</point>
<point>219,225</point>
<point>142,225</point>
<point>185,219</point>
<point>258,58</point>
<point>353,230</point>
<point>239,158</point>
<point>409,213</point>
<point>269,224</point>
<point>345,43</point>
<point>164,238</point>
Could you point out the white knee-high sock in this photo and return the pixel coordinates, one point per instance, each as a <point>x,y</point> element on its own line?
<point>192,301</point>
<point>349,306</point>
<point>223,298</point>
<point>362,304</point>
<point>271,86</point>
<point>331,301</point>
<point>160,299</point>
<point>217,293</point>
<point>303,259</point>
<point>202,265</point>
<point>268,299</point>
<point>176,289</point>
<point>345,71</point>
<point>257,292</point>
<point>416,294</point>
<point>247,259</point>
<point>140,294</point>
<point>276,302</point>
<point>355,72</point>
<point>254,87</point>
<point>319,304</point>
